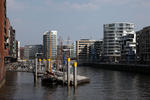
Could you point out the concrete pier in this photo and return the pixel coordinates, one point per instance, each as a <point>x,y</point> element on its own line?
<point>80,79</point>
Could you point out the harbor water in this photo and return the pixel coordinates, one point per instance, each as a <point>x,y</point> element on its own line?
<point>104,85</point>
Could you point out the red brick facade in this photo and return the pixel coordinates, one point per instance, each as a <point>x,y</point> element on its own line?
<point>7,35</point>
<point>2,36</point>
<point>22,53</point>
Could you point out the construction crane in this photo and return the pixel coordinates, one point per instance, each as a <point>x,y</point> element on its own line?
<point>68,47</point>
<point>60,53</point>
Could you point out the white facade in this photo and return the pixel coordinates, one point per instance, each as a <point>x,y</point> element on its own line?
<point>50,41</point>
<point>73,50</point>
<point>128,48</point>
<point>112,35</point>
<point>18,49</point>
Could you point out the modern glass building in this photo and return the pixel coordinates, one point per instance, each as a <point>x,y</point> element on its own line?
<point>30,51</point>
<point>50,44</point>
<point>112,35</point>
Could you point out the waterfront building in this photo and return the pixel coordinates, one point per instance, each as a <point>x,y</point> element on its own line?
<point>73,50</point>
<point>88,50</point>
<point>7,38</point>
<point>18,50</point>
<point>50,44</point>
<point>128,48</point>
<point>30,51</point>
<point>12,43</point>
<point>96,50</point>
<point>21,53</point>
<point>3,39</point>
<point>143,45</point>
<point>112,35</point>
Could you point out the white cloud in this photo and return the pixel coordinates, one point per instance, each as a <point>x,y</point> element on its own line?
<point>14,5</point>
<point>74,6</point>
<point>95,4</point>
<point>86,6</point>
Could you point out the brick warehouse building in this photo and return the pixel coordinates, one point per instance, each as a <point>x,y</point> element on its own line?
<point>7,35</point>
<point>3,39</point>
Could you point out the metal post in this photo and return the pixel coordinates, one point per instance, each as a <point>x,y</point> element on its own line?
<point>36,64</point>
<point>68,71</point>
<point>50,66</point>
<point>64,75</point>
<point>44,61</point>
<point>40,64</point>
<point>75,75</point>
<point>49,60</point>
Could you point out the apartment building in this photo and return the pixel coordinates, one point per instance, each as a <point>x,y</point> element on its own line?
<point>143,45</point>
<point>128,48</point>
<point>112,35</point>
<point>50,44</point>
<point>30,51</point>
<point>88,50</point>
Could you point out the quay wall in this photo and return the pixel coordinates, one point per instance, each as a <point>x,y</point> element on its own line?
<point>137,68</point>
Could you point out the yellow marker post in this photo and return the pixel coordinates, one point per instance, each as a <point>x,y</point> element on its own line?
<point>68,72</point>
<point>49,59</point>
<point>44,62</point>
<point>40,60</point>
<point>75,75</point>
<point>75,64</point>
<point>68,59</point>
<point>40,67</point>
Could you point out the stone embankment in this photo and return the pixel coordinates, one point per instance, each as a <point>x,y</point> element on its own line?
<point>18,67</point>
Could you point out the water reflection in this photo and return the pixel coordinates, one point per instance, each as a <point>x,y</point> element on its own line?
<point>104,85</point>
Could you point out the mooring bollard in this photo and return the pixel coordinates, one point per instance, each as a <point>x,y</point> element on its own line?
<point>49,60</point>
<point>44,61</point>
<point>75,75</point>
<point>40,64</point>
<point>68,71</point>
<point>50,65</point>
<point>36,64</point>
<point>64,75</point>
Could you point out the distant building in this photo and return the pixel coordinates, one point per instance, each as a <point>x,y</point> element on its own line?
<point>73,50</point>
<point>88,50</point>
<point>128,48</point>
<point>96,50</point>
<point>18,49</point>
<point>30,51</point>
<point>21,53</point>
<point>112,35</point>
<point>143,45</point>
<point>50,44</point>
<point>12,43</point>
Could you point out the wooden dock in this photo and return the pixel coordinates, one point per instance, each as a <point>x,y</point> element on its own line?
<point>48,79</point>
<point>80,79</point>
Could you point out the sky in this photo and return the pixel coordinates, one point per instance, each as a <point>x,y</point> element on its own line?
<point>77,19</point>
